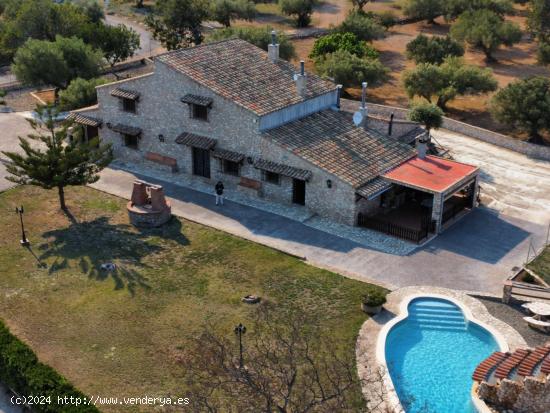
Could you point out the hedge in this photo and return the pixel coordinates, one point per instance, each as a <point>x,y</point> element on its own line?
<point>21,371</point>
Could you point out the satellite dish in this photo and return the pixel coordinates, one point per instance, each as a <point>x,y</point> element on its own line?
<point>357,118</point>
<point>295,77</point>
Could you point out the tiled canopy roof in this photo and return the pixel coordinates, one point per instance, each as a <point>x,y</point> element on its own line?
<point>521,362</point>
<point>329,140</point>
<point>82,119</point>
<point>126,129</point>
<point>197,100</point>
<point>228,155</point>
<point>196,141</point>
<point>283,169</point>
<point>125,94</point>
<point>373,188</point>
<point>242,72</point>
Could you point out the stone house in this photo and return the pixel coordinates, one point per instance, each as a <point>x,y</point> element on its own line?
<point>230,111</point>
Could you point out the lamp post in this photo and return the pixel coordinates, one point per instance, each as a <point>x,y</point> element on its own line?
<point>239,331</point>
<point>24,241</point>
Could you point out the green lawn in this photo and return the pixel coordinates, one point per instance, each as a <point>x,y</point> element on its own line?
<point>119,335</point>
<point>541,264</point>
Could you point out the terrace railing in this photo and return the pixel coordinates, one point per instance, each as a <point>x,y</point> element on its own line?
<point>399,231</point>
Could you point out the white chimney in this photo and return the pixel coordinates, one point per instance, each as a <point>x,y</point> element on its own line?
<point>273,48</point>
<point>301,80</point>
<point>422,146</point>
<point>363,109</point>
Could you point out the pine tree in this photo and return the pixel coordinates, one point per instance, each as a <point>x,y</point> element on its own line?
<point>54,162</point>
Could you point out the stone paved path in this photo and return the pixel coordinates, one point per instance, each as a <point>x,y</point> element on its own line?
<point>475,255</point>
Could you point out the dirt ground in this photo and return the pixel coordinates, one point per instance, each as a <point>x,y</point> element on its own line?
<point>512,63</point>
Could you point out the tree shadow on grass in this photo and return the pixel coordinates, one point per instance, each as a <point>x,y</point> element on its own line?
<point>88,245</point>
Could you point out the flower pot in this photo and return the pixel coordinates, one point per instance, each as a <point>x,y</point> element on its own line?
<point>370,309</point>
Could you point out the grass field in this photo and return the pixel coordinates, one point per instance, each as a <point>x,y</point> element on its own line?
<point>541,264</point>
<point>120,334</point>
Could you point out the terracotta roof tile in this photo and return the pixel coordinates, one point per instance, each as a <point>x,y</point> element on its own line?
<point>242,72</point>
<point>197,100</point>
<point>281,169</point>
<point>125,129</point>
<point>125,93</point>
<point>228,155</point>
<point>196,141</point>
<point>84,119</point>
<point>329,140</point>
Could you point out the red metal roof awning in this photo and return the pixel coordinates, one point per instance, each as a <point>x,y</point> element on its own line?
<point>431,173</point>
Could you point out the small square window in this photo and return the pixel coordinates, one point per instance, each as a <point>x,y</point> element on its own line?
<point>131,141</point>
<point>199,112</point>
<point>230,168</point>
<point>129,105</point>
<point>271,177</point>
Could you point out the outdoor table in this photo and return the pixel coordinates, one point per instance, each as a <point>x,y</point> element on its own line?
<point>540,309</point>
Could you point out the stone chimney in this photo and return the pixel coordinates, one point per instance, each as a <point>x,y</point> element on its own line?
<point>273,48</point>
<point>422,146</point>
<point>301,80</point>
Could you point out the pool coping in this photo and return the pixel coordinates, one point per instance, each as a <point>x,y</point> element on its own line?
<point>379,390</point>
<point>404,314</point>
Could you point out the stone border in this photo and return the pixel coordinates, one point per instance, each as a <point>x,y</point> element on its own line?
<point>377,386</point>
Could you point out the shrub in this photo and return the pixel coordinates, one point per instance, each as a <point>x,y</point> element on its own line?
<point>350,70</point>
<point>374,298</point>
<point>21,371</point>
<point>362,25</point>
<point>341,41</point>
<point>260,37</point>
<point>79,93</point>
<point>386,18</point>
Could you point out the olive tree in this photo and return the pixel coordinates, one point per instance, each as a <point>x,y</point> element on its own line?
<point>424,49</point>
<point>447,81</point>
<point>424,9</point>
<point>301,9</point>
<point>485,30</point>
<point>351,70</point>
<point>428,114</point>
<point>525,105</point>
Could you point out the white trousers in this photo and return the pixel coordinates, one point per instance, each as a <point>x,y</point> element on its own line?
<point>219,199</point>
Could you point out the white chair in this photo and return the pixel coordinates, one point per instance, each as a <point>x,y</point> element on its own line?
<point>538,324</point>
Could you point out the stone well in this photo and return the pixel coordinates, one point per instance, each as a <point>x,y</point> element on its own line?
<point>148,206</point>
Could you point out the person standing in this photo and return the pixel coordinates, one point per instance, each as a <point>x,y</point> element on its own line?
<point>219,193</point>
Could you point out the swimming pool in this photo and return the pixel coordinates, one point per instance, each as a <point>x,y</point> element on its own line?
<point>431,355</point>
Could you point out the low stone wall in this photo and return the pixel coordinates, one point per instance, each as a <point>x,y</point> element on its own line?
<point>498,139</point>
<point>528,396</point>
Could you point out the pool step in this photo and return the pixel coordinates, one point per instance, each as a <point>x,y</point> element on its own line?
<point>437,316</point>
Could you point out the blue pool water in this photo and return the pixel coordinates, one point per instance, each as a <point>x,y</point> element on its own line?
<point>432,354</point>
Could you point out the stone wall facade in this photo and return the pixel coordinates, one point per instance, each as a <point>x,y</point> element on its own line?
<point>162,117</point>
